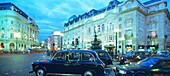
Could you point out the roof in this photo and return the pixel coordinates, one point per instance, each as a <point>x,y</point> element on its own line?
<point>98,50</point>
<point>79,51</point>
<point>72,17</point>
<point>150,2</point>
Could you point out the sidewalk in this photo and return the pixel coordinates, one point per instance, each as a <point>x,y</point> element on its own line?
<point>21,53</point>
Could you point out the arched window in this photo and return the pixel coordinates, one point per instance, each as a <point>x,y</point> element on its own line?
<point>2,45</point>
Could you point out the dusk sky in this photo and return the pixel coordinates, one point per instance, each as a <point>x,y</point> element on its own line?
<point>51,15</point>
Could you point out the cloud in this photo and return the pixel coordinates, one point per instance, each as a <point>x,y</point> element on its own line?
<point>43,21</point>
<point>59,10</point>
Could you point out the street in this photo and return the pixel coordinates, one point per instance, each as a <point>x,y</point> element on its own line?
<point>20,65</point>
<point>17,64</point>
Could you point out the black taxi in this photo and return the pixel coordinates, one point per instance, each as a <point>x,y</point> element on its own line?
<point>104,56</point>
<point>84,62</point>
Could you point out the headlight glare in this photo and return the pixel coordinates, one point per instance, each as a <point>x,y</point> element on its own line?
<point>122,72</point>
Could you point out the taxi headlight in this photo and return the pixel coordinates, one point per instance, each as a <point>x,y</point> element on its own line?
<point>114,68</point>
<point>122,72</point>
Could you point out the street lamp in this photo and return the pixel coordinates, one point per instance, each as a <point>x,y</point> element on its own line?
<point>122,39</point>
<point>116,31</point>
<point>30,43</point>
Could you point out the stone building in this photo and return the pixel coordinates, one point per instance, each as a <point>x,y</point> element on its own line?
<point>17,30</point>
<point>136,25</point>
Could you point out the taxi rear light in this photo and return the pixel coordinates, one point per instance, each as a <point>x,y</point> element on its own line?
<point>158,75</point>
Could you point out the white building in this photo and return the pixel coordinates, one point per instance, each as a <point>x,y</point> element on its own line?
<point>54,42</point>
<point>140,26</point>
<point>17,30</point>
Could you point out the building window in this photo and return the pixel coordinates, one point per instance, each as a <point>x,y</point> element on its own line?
<point>129,32</point>
<point>129,23</point>
<point>120,9</point>
<point>107,27</point>
<point>120,26</point>
<point>95,29</point>
<point>110,37</point>
<point>111,26</point>
<point>120,34</point>
<point>12,22</point>
<point>102,27</point>
<point>98,28</point>
<point>2,33</point>
<point>120,19</point>
<point>89,30</point>
<point>12,35</point>
<point>153,26</point>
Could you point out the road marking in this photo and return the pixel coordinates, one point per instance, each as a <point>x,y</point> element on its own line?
<point>26,69</point>
<point>14,71</point>
<point>20,70</point>
<point>6,73</point>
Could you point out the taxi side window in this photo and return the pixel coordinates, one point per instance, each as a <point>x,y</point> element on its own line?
<point>73,56</point>
<point>168,64</point>
<point>165,64</point>
<point>60,56</point>
<point>87,57</point>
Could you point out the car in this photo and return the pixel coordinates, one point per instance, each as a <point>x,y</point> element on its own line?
<point>163,53</point>
<point>70,62</point>
<point>139,55</point>
<point>128,55</point>
<point>104,56</point>
<point>151,66</point>
<point>135,56</point>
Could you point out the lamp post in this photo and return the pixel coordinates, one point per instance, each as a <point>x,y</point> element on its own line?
<point>116,31</point>
<point>30,43</point>
<point>122,39</point>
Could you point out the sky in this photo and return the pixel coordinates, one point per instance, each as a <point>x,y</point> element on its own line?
<point>51,15</point>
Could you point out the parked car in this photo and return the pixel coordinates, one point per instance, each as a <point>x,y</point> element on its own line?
<point>135,56</point>
<point>128,55</point>
<point>139,55</point>
<point>151,66</point>
<point>70,62</point>
<point>104,56</point>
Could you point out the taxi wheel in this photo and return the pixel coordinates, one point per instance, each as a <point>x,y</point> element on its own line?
<point>40,72</point>
<point>88,73</point>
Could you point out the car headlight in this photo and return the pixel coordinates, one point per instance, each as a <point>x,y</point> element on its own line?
<point>114,68</point>
<point>122,72</point>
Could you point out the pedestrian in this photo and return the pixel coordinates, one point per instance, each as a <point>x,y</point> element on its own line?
<point>118,53</point>
<point>91,58</point>
<point>28,50</point>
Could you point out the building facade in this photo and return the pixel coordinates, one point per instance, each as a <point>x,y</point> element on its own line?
<point>54,42</point>
<point>131,25</point>
<point>17,30</point>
